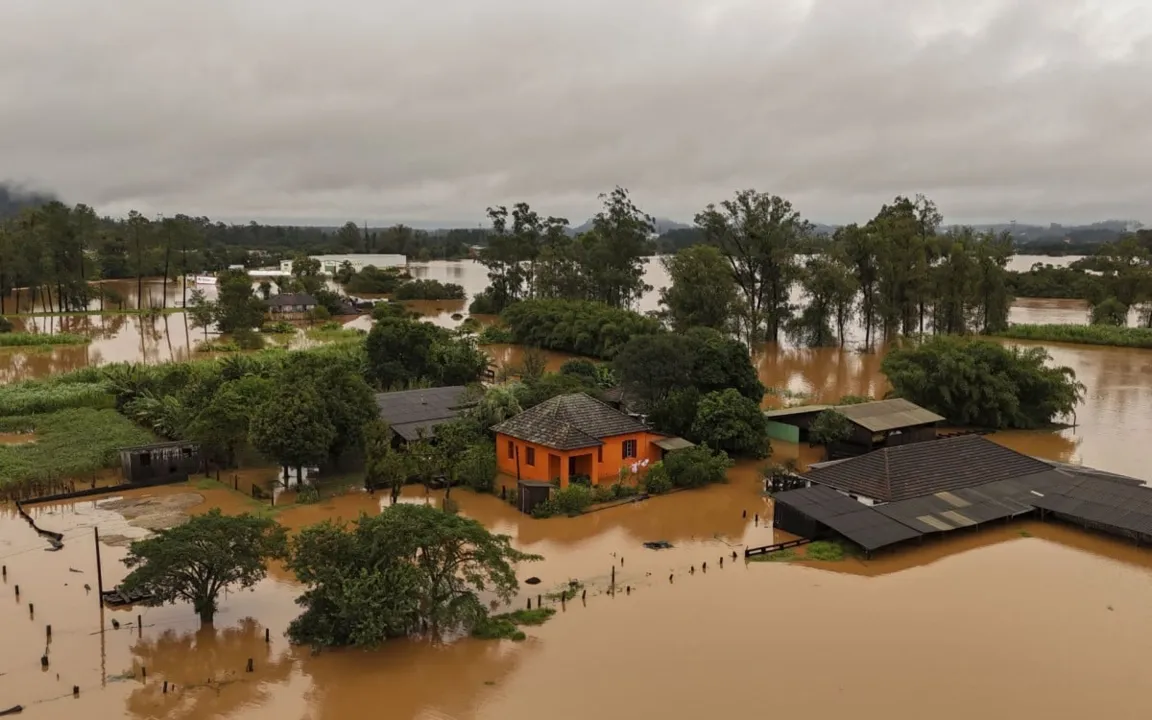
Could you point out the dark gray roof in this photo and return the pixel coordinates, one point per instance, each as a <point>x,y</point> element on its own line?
<point>291,299</point>
<point>408,411</point>
<point>1107,502</point>
<point>884,415</point>
<point>796,410</point>
<point>854,520</point>
<point>951,510</point>
<point>925,468</point>
<point>569,422</point>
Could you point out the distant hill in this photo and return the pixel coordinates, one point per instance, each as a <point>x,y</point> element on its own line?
<point>14,198</point>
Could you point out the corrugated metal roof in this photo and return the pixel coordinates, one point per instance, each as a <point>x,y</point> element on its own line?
<point>673,443</point>
<point>966,507</point>
<point>855,521</point>
<point>798,410</point>
<point>1096,499</point>
<point>883,415</point>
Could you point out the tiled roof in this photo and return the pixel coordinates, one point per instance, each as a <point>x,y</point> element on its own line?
<point>925,468</point>
<point>569,422</point>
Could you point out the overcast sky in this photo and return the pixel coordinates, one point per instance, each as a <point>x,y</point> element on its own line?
<point>431,110</point>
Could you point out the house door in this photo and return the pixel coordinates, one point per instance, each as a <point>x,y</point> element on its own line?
<point>571,466</point>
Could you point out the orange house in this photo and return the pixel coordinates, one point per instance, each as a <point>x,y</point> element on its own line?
<point>572,435</point>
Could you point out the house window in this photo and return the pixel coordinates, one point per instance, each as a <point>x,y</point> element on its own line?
<point>530,456</point>
<point>629,448</point>
<point>600,454</point>
<point>511,450</point>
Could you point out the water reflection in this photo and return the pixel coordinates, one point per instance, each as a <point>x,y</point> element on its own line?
<point>208,668</point>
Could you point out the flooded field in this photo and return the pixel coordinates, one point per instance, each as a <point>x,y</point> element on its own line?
<point>1032,619</point>
<point>696,644</point>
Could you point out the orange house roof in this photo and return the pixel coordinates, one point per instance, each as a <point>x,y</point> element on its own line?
<point>569,422</point>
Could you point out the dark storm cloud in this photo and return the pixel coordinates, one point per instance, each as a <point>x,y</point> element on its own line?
<point>434,109</point>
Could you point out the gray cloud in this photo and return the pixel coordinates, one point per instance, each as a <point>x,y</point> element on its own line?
<point>424,110</point>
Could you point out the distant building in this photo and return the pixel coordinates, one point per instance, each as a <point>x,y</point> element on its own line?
<point>329,264</point>
<point>287,306</point>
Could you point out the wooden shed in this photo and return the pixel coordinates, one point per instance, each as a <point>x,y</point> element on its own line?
<point>160,463</point>
<point>531,493</point>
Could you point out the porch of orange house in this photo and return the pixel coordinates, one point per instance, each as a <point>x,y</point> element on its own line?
<point>570,464</point>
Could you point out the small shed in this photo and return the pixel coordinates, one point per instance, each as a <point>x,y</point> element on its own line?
<point>672,444</point>
<point>160,463</point>
<point>531,493</point>
<point>791,424</point>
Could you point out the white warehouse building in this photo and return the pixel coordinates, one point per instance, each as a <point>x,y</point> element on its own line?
<point>329,264</point>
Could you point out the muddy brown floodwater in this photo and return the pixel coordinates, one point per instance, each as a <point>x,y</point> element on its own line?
<point>1024,620</point>
<point>1033,619</point>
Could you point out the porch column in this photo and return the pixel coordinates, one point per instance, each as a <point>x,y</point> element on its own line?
<point>594,472</point>
<point>564,470</point>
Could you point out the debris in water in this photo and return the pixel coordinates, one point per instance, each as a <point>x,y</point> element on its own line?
<point>658,545</point>
<point>533,581</point>
<point>72,569</point>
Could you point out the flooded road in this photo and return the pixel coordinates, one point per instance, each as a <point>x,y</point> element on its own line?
<point>829,636</point>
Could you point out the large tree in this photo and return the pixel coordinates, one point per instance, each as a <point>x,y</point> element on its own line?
<point>237,307</point>
<point>411,569</point>
<point>195,561</point>
<point>614,251</point>
<point>702,291</point>
<point>759,234</point>
<point>293,428</point>
<point>728,421</point>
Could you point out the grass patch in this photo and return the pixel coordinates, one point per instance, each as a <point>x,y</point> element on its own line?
<point>70,443</point>
<point>324,333</point>
<point>786,555</point>
<point>110,309</point>
<point>568,592</point>
<point>25,339</point>
<point>507,625</point>
<point>217,346</point>
<point>33,397</point>
<point>1108,335</point>
<point>824,551</point>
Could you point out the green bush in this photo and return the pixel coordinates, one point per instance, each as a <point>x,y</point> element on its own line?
<point>483,304</point>
<point>657,480</point>
<point>429,290</point>
<point>615,491</point>
<point>1083,334</point>
<point>576,326</point>
<point>995,387</point>
<point>570,501</point>
<point>696,467</point>
<point>5,325</point>
<point>247,339</point>
<point>280,327</point>
<point>372,280</point>
<point>495,335</point>
<point>25,339</point>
